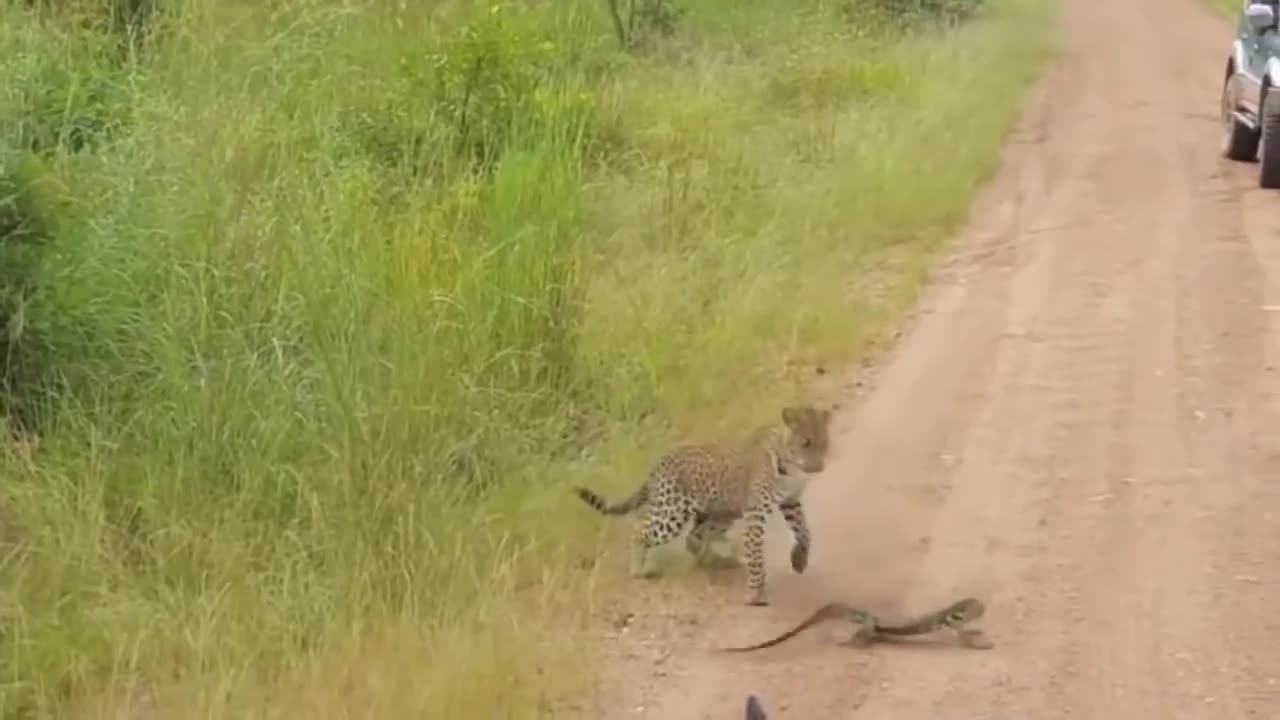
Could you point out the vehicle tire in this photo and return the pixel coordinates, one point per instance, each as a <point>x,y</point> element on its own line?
<point>1269,149</point>
<point>1239,141</point>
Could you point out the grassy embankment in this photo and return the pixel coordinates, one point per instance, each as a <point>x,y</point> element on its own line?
<point>315,307</point>
<point>1226,8</point>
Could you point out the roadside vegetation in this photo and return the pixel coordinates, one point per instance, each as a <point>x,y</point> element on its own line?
<point>312,309</point>
<point>1226,8</point>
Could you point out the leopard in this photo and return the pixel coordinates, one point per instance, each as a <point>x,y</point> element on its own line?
<point>706,487</point>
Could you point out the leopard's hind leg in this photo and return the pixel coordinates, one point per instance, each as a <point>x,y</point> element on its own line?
<point>665,520</point>
<point>701,542</point>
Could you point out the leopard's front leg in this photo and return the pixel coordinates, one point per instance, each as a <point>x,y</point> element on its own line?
<point>753,547</point>
<point>793,512</point>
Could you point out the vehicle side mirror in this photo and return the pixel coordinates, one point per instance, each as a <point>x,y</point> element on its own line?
<point>1261,16</point>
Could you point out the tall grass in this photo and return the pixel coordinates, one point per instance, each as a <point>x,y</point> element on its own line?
<point>315,307</point>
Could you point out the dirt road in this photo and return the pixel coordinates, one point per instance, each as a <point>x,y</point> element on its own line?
<point>1081,426</point>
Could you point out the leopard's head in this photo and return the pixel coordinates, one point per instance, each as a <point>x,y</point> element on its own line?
<point>805,445</point>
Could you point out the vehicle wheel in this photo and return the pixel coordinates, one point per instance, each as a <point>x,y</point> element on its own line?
<point>1239,141</point>
<point>1269,151</point>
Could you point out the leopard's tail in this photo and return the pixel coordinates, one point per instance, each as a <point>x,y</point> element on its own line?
<point>638,498</point>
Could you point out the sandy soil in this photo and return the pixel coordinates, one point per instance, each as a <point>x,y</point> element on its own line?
<point>1079,426</point>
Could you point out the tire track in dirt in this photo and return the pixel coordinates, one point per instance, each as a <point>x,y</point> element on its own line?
<point>1078,426</point>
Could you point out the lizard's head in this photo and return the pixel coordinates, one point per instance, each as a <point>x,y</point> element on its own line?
<point>755,711</point>
<point>965,610</point>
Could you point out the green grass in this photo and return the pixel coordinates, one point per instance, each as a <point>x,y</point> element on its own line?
<point>320,306</point>
<point>1225,8</point>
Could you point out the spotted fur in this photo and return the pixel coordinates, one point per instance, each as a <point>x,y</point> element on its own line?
<point>709,486</point>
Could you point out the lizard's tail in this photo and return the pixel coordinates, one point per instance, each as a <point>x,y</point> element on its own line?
<point>755,710</point>
<point>830,611</point>
<point>638,498</point>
